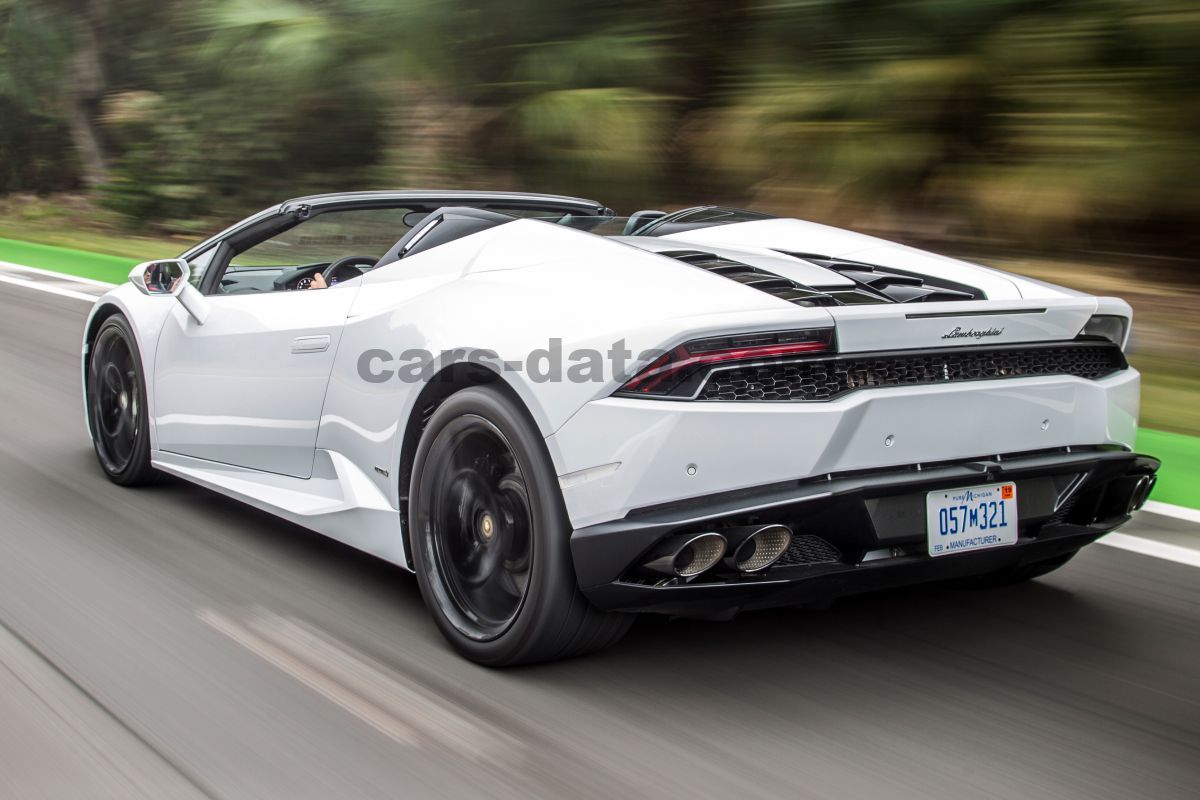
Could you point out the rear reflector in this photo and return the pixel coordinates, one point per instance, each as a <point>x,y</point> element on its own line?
<point>1106,326</point>
<point>679,372</point>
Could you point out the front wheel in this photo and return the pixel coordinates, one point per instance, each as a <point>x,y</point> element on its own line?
<point>491,541</point>
<point>116,405</point>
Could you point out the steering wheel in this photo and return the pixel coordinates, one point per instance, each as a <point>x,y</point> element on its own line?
<point>330,273</point>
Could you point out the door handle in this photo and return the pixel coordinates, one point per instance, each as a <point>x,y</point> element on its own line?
<point>310,344</point>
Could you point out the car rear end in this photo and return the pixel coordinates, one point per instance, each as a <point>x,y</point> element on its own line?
<point>894,442</point>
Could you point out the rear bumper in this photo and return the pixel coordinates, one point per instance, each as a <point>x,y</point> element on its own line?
<point>618,454</point>
<point>861,531</point>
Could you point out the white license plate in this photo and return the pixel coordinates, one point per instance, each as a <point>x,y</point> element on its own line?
<point>971,518</point>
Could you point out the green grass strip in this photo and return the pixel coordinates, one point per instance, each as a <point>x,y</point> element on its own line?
<point>1179,479</point>
<point>96,266</point>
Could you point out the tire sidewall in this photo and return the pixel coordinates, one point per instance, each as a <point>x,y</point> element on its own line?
<point>552,578</point>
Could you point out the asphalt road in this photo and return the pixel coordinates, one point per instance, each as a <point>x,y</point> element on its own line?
<point>167,642</point>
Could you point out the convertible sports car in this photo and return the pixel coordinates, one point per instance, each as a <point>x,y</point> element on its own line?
<point>555,416</point>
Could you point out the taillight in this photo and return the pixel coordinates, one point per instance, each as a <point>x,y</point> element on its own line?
<point>679,372</point>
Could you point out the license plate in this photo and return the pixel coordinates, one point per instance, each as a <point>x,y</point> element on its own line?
<point>971,518</point>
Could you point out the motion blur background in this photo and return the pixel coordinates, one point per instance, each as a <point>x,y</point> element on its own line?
<point>1059,138</point>
<point>171,643</point>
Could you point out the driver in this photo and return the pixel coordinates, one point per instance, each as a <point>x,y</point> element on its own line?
<point>319,281</point>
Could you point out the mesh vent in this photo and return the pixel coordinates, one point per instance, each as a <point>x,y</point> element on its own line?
<point>872,285</point>
<point>808,549</point>
<point>1064,509</point>
<point>825,379</point>
<point>755,278</point>
<point>896,286</point>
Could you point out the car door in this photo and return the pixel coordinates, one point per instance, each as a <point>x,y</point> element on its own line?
<point>247,386</point>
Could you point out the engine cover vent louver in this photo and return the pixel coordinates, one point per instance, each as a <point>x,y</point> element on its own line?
<point>872,285</point>
<point>893,285</point>
<point>769,282</point>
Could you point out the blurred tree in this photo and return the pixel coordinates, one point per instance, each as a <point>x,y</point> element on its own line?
<point>83,80</point>
<point>251,101</point>
<point>53,59</point>
<point>1070,123</point>
<point>1038,122</point>
<point>33,54</point>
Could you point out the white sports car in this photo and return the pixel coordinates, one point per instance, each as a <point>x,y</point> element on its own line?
<point>555,416</point>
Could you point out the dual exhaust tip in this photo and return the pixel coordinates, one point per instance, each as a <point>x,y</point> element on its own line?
<point>750,548</point>
<point>1141,492</point>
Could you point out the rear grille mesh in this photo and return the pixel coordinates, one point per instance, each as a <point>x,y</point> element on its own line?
<point>807,549</point>
<point>825,379</point>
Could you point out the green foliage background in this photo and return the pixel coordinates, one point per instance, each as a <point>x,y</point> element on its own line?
<point>1056,123</point>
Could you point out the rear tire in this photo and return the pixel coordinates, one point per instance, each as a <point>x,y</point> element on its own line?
<point>491,540</point>
<point>118,417</point>
<point>1017,574</point>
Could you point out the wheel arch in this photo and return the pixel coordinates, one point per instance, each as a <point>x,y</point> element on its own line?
<point>144,316</point>
<point>102,312</point>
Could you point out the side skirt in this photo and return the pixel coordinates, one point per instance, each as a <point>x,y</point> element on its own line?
<point>338,501</point>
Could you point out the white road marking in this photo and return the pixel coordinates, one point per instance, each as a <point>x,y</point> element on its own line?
<point>405,712</point>
<point>1176,512</point>
<point>1150,547</point>
<point>60,275</point>
<point>41,287</point>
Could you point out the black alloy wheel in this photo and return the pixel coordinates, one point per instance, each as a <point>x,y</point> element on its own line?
<point>116,404</point>
<point>490,537</point>
<point>480,527</point>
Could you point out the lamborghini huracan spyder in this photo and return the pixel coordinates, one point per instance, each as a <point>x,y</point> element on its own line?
<point>555,416</point>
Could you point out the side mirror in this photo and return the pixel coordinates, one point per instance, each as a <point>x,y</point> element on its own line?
<point>166,277</point>
<point>169,278</point>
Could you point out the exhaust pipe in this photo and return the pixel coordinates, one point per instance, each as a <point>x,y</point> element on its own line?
<point>688,555</point>
<point>1141,492</point>
<point>761,546</point>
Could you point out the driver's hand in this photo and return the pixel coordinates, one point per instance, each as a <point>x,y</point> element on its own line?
<point>318,282</point>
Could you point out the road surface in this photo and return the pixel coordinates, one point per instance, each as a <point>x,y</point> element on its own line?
<point>167,642</point>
